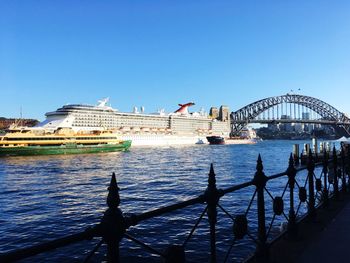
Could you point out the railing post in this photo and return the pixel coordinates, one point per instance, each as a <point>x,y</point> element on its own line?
<point>113,225</point>
<point>325,173</point>
<point>296,153</point>
<point>335,170</point>
<point>343,178</point>
<point>262,253</point>
<point>348,165</point>
<point>212,198</point>
<point>311,168</point>
<point>292,226</point>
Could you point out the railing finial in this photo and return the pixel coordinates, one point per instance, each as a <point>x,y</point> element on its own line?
<point>291,160</point>
<point>113,198</point>
<point>259,164</point>
<point>211,177</point>
<point>113,225</point>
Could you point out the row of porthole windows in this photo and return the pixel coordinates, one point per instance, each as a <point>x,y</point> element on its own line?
<point>128,119</point>
<point>123,123</point>
<point>120,117</point>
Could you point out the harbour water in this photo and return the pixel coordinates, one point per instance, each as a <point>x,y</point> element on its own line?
<point>46,197</point>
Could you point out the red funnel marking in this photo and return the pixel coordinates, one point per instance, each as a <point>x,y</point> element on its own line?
<point>184,108</point>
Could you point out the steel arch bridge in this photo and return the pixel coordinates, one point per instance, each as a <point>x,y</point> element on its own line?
<point>329,114</point>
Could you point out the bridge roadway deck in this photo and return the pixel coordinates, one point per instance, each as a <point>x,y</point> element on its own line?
<point>324,239</point>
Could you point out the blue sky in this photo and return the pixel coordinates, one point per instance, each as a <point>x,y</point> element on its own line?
<point>161,53</point>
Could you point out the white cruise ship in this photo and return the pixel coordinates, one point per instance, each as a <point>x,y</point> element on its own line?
<point>180,127</point>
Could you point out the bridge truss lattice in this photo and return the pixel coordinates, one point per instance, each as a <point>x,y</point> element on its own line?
<point>249,113</point>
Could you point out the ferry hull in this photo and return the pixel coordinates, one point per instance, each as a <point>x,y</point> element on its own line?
<point>63,149</point>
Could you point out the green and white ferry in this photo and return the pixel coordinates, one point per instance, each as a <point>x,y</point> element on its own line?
<point>32,141</point>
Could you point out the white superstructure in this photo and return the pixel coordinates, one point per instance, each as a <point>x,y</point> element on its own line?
<point>180,127</point>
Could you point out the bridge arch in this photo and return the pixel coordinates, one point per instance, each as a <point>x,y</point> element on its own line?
<point>243,116</point>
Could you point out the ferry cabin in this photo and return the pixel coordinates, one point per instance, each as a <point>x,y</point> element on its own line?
<point>19,139</point>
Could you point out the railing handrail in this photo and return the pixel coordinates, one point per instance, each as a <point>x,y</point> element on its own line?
<point>134,219</point>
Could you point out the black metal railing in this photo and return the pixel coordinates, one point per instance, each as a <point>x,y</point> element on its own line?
<point>309,190</point>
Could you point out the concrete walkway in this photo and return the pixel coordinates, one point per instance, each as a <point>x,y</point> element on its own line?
<point>325,238</point>
<point>333,243</point>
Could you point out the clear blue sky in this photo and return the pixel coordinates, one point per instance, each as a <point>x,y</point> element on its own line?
<point>160,53</point>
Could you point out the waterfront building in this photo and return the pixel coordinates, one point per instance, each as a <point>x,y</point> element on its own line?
<point>273,127</point>
<point>214,112</point>
<point>285,126</point>
<point>5,123</point>
<point>224,114</point>
<point>305,116</point>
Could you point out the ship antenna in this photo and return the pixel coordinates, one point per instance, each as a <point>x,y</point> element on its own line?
<point>20,114</point>
<point>19,121</point>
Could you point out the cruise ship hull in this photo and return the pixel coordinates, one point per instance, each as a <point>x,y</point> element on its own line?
<point>167,140</point>
<point>163,140</point>
<point>222,140</point>
<point>241,141</point>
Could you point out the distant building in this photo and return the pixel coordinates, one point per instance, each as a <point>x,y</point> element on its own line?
<point>305,116</point>
<point>298,127</point>
<point>273,127</point>
<point>328,129</point>
<point>224,113</point>
<point>6,123</point>
<point>214,112</point>
<point>289,127</point>
<point>285,126</point>
<point>308,127</point>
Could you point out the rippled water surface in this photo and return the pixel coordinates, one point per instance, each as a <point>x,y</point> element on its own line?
<point>46,197</point>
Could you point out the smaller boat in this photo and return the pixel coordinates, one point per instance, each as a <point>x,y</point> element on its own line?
<point>200,141</point>
<point>31,141</point>
<point>216,140</point>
